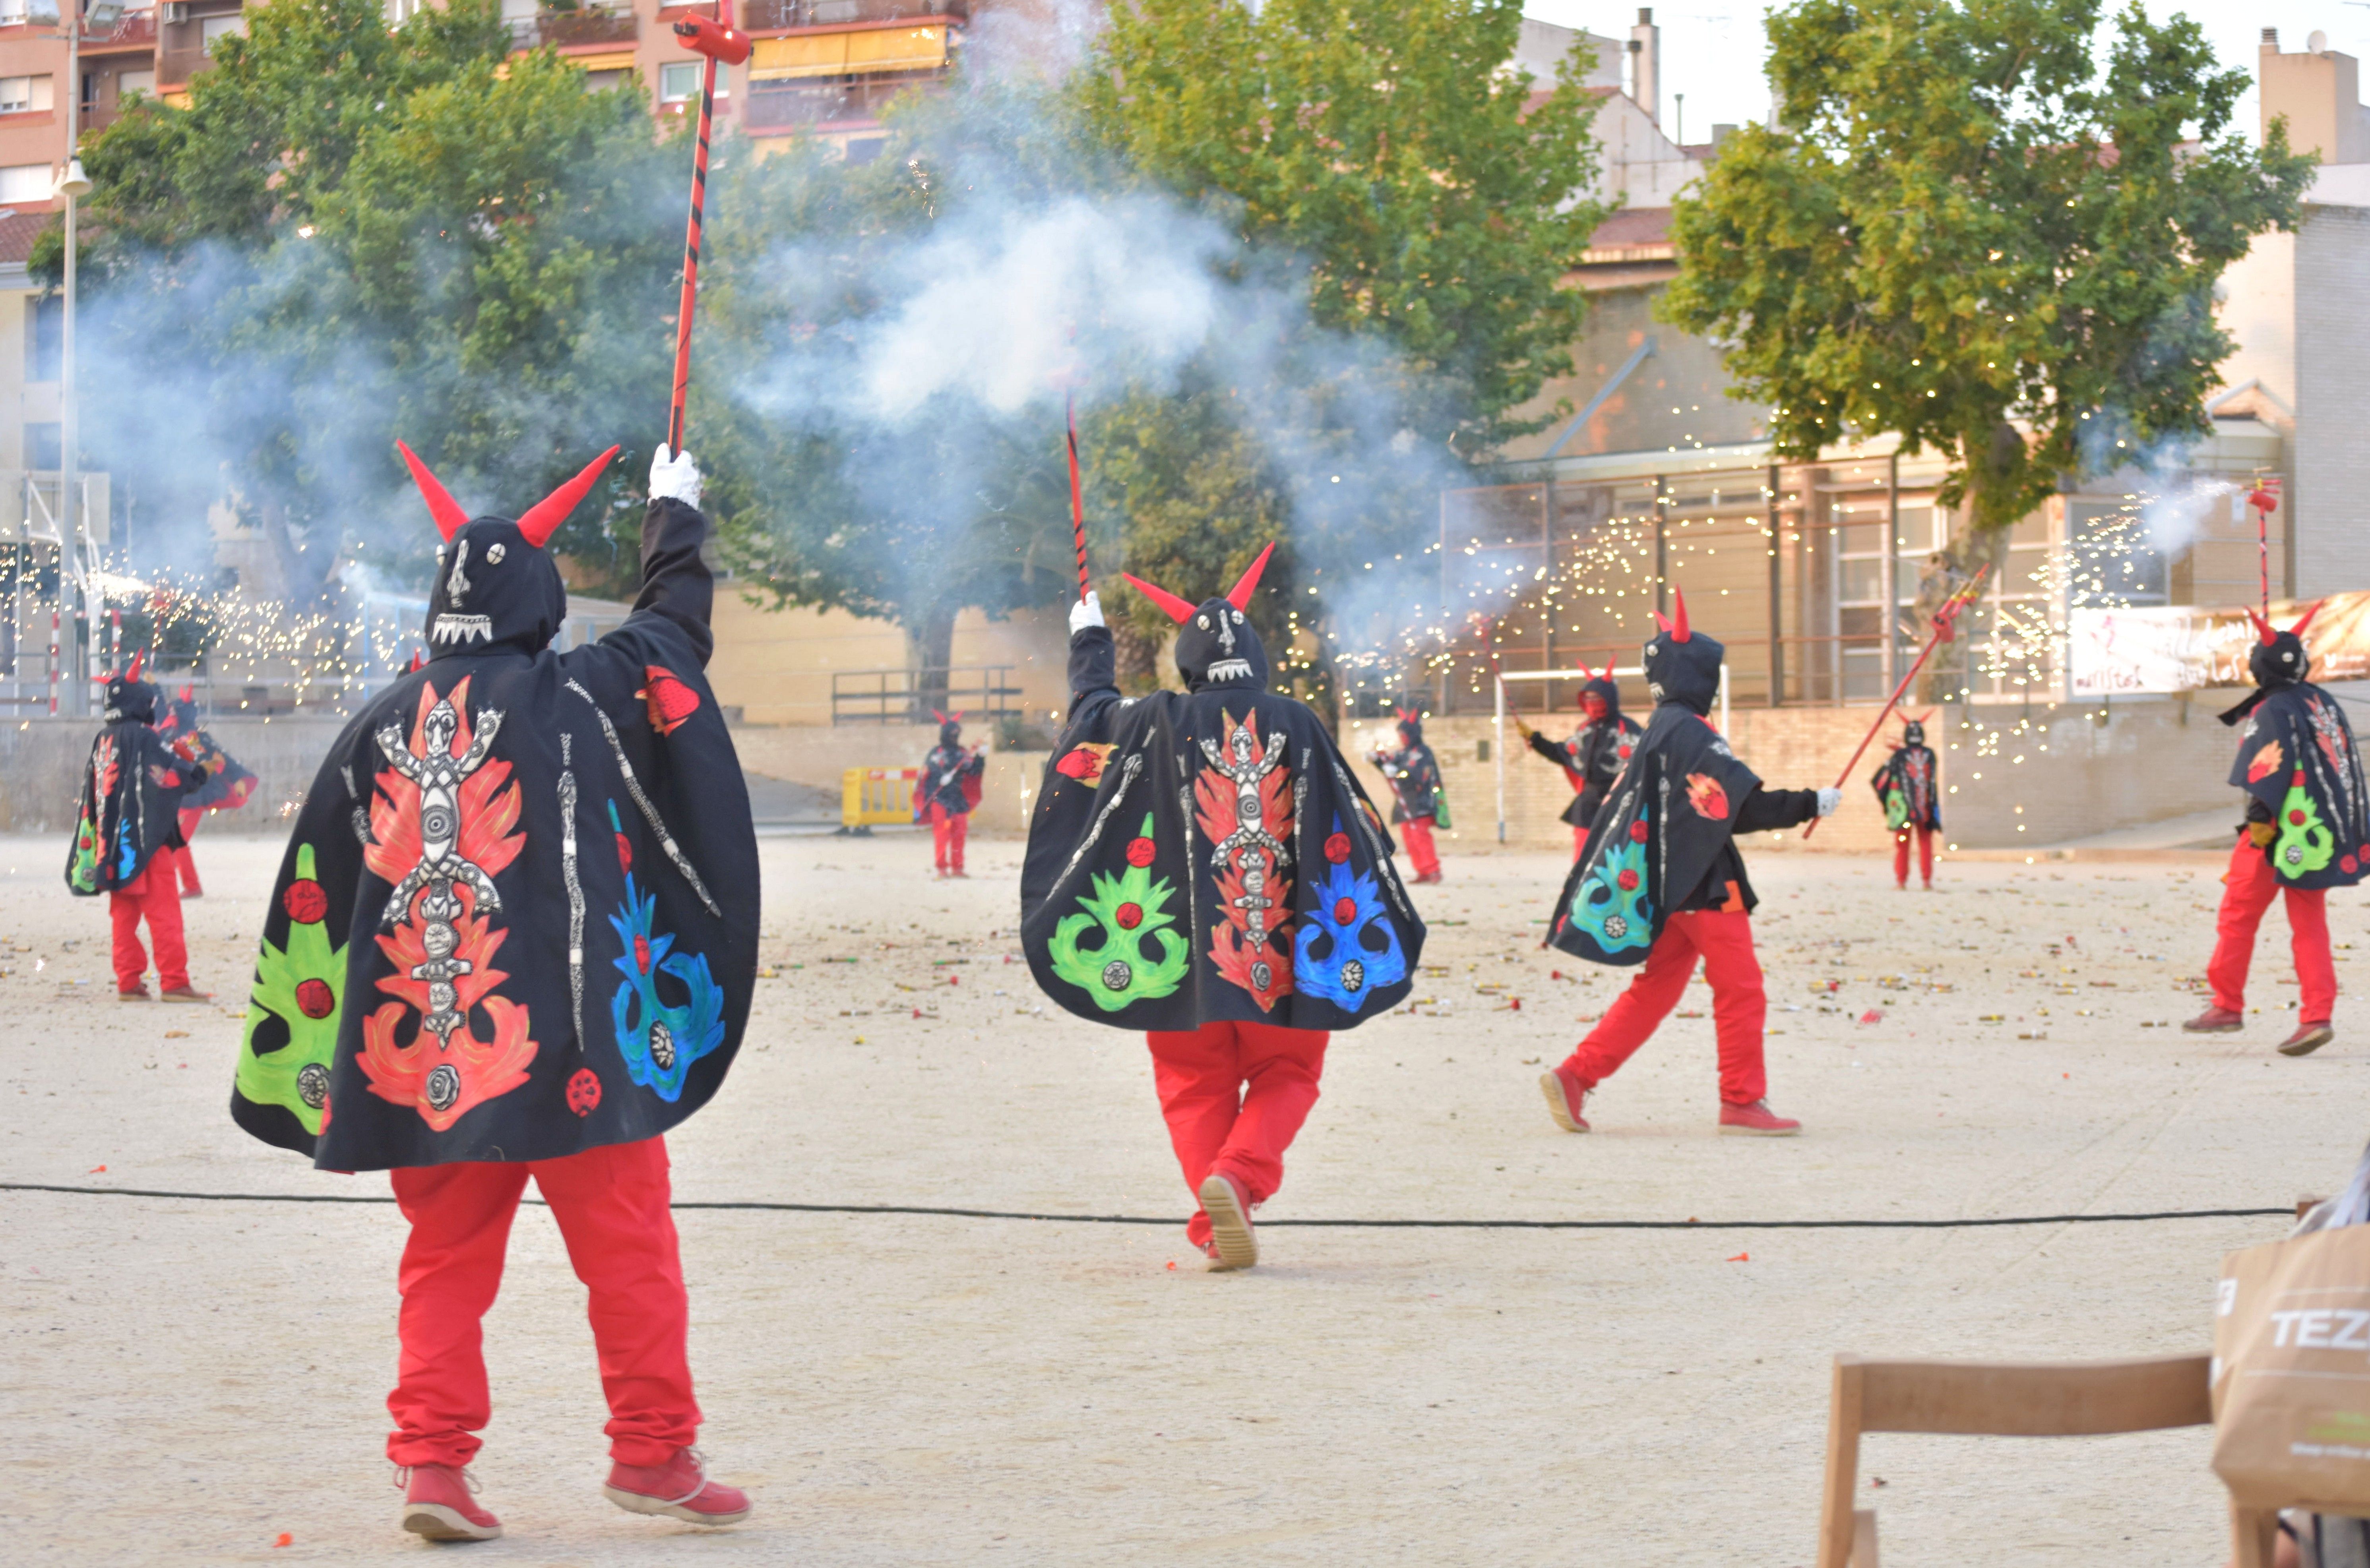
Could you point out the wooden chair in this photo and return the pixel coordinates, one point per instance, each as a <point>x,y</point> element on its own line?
<point>2008,1399</point>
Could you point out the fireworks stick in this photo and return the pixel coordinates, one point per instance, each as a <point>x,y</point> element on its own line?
<point>1077,494</point>
<point>1944,629</point>
<point>2265,499</point>
<point>712,42</point>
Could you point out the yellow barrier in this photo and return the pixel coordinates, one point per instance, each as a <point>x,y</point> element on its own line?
<point>876,796</point>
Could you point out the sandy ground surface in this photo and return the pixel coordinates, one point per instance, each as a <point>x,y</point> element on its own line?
<point>184,1381</point>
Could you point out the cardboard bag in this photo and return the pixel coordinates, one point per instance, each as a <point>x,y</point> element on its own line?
<point>2292,1373</point>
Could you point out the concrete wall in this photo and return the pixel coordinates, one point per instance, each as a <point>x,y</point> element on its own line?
<point>2148,761</point>
<point>41,762</point>
<point>776,666</point>
<point>2332,460</point>
<point>820,754</point>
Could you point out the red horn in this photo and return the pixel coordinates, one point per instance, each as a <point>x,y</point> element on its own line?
<point>138,658</point>
<point>1179,610</point>
<point>1679,632</point>
<point>2305,619</point>
<point>188,694</point>
<point>541,521</point>
<point>1239,596</point>
<point>2263,632</point>
<point>441,505</point>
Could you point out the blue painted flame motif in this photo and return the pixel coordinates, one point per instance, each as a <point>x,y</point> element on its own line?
<point>127,848</point>
<point>1350,971</point>
<point>1617,918</point>
<point>658,1042</point>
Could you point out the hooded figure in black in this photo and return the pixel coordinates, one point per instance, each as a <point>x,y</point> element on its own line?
<point>127,831</point>
<point>948,791</point>
<point>1595,755</point>
<point>1909,788</point>
<point>1661,884</point>
<point>1202,866</point>
<point>515,932</point>
<point>2308,829</point>
<point>228,786</point>
<point>1418,799</point>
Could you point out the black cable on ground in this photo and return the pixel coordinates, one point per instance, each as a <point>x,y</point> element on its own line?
<point>1974,1224</point>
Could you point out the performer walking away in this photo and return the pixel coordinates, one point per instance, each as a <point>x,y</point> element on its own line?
<point>1418,800</point>
<point>514,935</point>
<point>1663,884</point>
<point>1595,755</point>
<point>125,836</point>
<point>228,786</point>
<point>1905,786</point>
<point>2308,829</point>
<point>948,791</point>
<point>1203,868</point>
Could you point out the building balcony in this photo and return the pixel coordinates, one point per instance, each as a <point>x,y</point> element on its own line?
<point>135,33</point>
<point>782,16</point>
<point>806,105</point>
<point>590,28</point>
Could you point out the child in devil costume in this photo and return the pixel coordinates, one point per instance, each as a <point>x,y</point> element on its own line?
<point>1418,800</point>
<point>126,833</point>
<point>1595,755</point>
<point>514,935</point>
<point>2308,829</point>
<point>1203,868</point>
<point>1907,786</point>
<point>1663,884</point>
<point>228,786</point>
<point>948,791</point>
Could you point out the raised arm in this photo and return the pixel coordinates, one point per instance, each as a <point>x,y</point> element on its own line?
<point>675,582</point>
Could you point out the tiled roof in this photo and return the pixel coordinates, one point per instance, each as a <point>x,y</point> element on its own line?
<point>17,232</point>
<point>1632,227</point>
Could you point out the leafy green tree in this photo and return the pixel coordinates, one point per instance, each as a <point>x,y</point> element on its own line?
<point>1972,230</point>
<point>354,234</point>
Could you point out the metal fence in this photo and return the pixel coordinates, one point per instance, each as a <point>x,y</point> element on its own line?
<point>906,696</point>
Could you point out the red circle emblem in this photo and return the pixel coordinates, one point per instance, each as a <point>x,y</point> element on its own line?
<point>1140,851</point>
<point>1344,910</point>
<point>1624,753</point>
<point>315,999</point>
<point>305,902</point>
<point>1628,880</point>
<point>2295,819</point>
<point>2346,865</point>
<point>1130,916</point>
<point>1337,848</point>
<point>584,1092</point>
<point>1637,833</point>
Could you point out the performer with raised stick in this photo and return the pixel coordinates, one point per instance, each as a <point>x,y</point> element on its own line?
<point>1945,621</point>
<point>1663,884</point>
<point>1907,786</point>
<point>1419,800</point>
<point>1594,754</point>
<point>713,42</point>
<point>948,792</point>
<point>1201,867</point>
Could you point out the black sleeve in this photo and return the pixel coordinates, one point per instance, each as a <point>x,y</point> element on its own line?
<point>1093,682</point>
<point>675,582</point>
<point>1551,750</point>
<point>1766,808</point>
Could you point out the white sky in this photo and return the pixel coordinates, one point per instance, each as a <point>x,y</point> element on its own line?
<point>1712,53</point>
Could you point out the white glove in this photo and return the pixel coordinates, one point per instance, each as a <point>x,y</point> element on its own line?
<point>1087,612</point>
<point>1829,798</point>
<point>673,477</point>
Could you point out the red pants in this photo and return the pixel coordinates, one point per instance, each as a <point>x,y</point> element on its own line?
<point>1578,845</point>
<point>1417,832</point>
<point>611,1204</point>
<point>948,831</point>
<point>1925,855</point>
<point>1235,1095</point>
<point>2246,890</point>
<point>1723,940</point>
<point>153,897</point>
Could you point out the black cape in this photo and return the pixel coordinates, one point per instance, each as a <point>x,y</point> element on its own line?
<point>951,777</point>
<point>228,783</point>
<point>1910,774</point>
<point>1592,759</point>
<point>1204,856</point>
<point>2297,760</point>
<point>133,786</point>
<point>1414,776</point>
<point>518,916</point>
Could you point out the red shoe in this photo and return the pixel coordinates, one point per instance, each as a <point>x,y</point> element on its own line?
<point>438,1505</point>
<point>678,1489</point>
<point>1756,1120</point>
<point>1228,1204</point>
<point>2309,1038</point>
<point>1565,1098</point>
<point>2216,1020</point>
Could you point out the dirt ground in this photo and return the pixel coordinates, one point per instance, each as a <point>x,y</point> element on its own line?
<point>187,1380</point>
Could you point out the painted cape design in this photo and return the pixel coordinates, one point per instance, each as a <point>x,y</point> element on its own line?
<point>133,788</point>
<point>2296,756</point>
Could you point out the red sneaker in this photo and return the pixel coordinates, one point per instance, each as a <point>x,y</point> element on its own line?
<point>2216,1020</point>
<point>1565,1097</point>
<point>2309,1038</point>
<point>678,1489</point>
<point>1756,1120</point>
<point>1228,1205</point>
<point>438,1504</point>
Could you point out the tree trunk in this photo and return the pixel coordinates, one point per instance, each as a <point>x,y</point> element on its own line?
<point>1137,658</point>
<point>930,647</point>
<point>1975,545</point>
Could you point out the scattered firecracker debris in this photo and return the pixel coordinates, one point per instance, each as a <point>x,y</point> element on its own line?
<point>284,1539</point>
<point>1742,1257</point>
<point>94,1170</point>
<point>1871,1016</point>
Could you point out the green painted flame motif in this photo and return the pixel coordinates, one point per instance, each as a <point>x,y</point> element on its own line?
<point>304,985</point>
<point>1130,909</point>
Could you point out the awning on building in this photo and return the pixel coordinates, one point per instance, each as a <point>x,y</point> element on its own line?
<point>848,54</point>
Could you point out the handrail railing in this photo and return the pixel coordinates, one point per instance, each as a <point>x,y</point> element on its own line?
<point>906,696</point>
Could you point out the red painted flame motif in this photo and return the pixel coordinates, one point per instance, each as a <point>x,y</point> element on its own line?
<point>1084,763</point>
<point>2265,763</point>
<point>1236,957</point>
<point>1706,795</point>
<point>670,702</point>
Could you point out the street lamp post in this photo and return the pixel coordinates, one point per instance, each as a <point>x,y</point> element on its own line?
<point>72,187</point>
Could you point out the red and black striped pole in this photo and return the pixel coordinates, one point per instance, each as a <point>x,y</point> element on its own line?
<point>1078,495</point>
<point>713,42</point>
